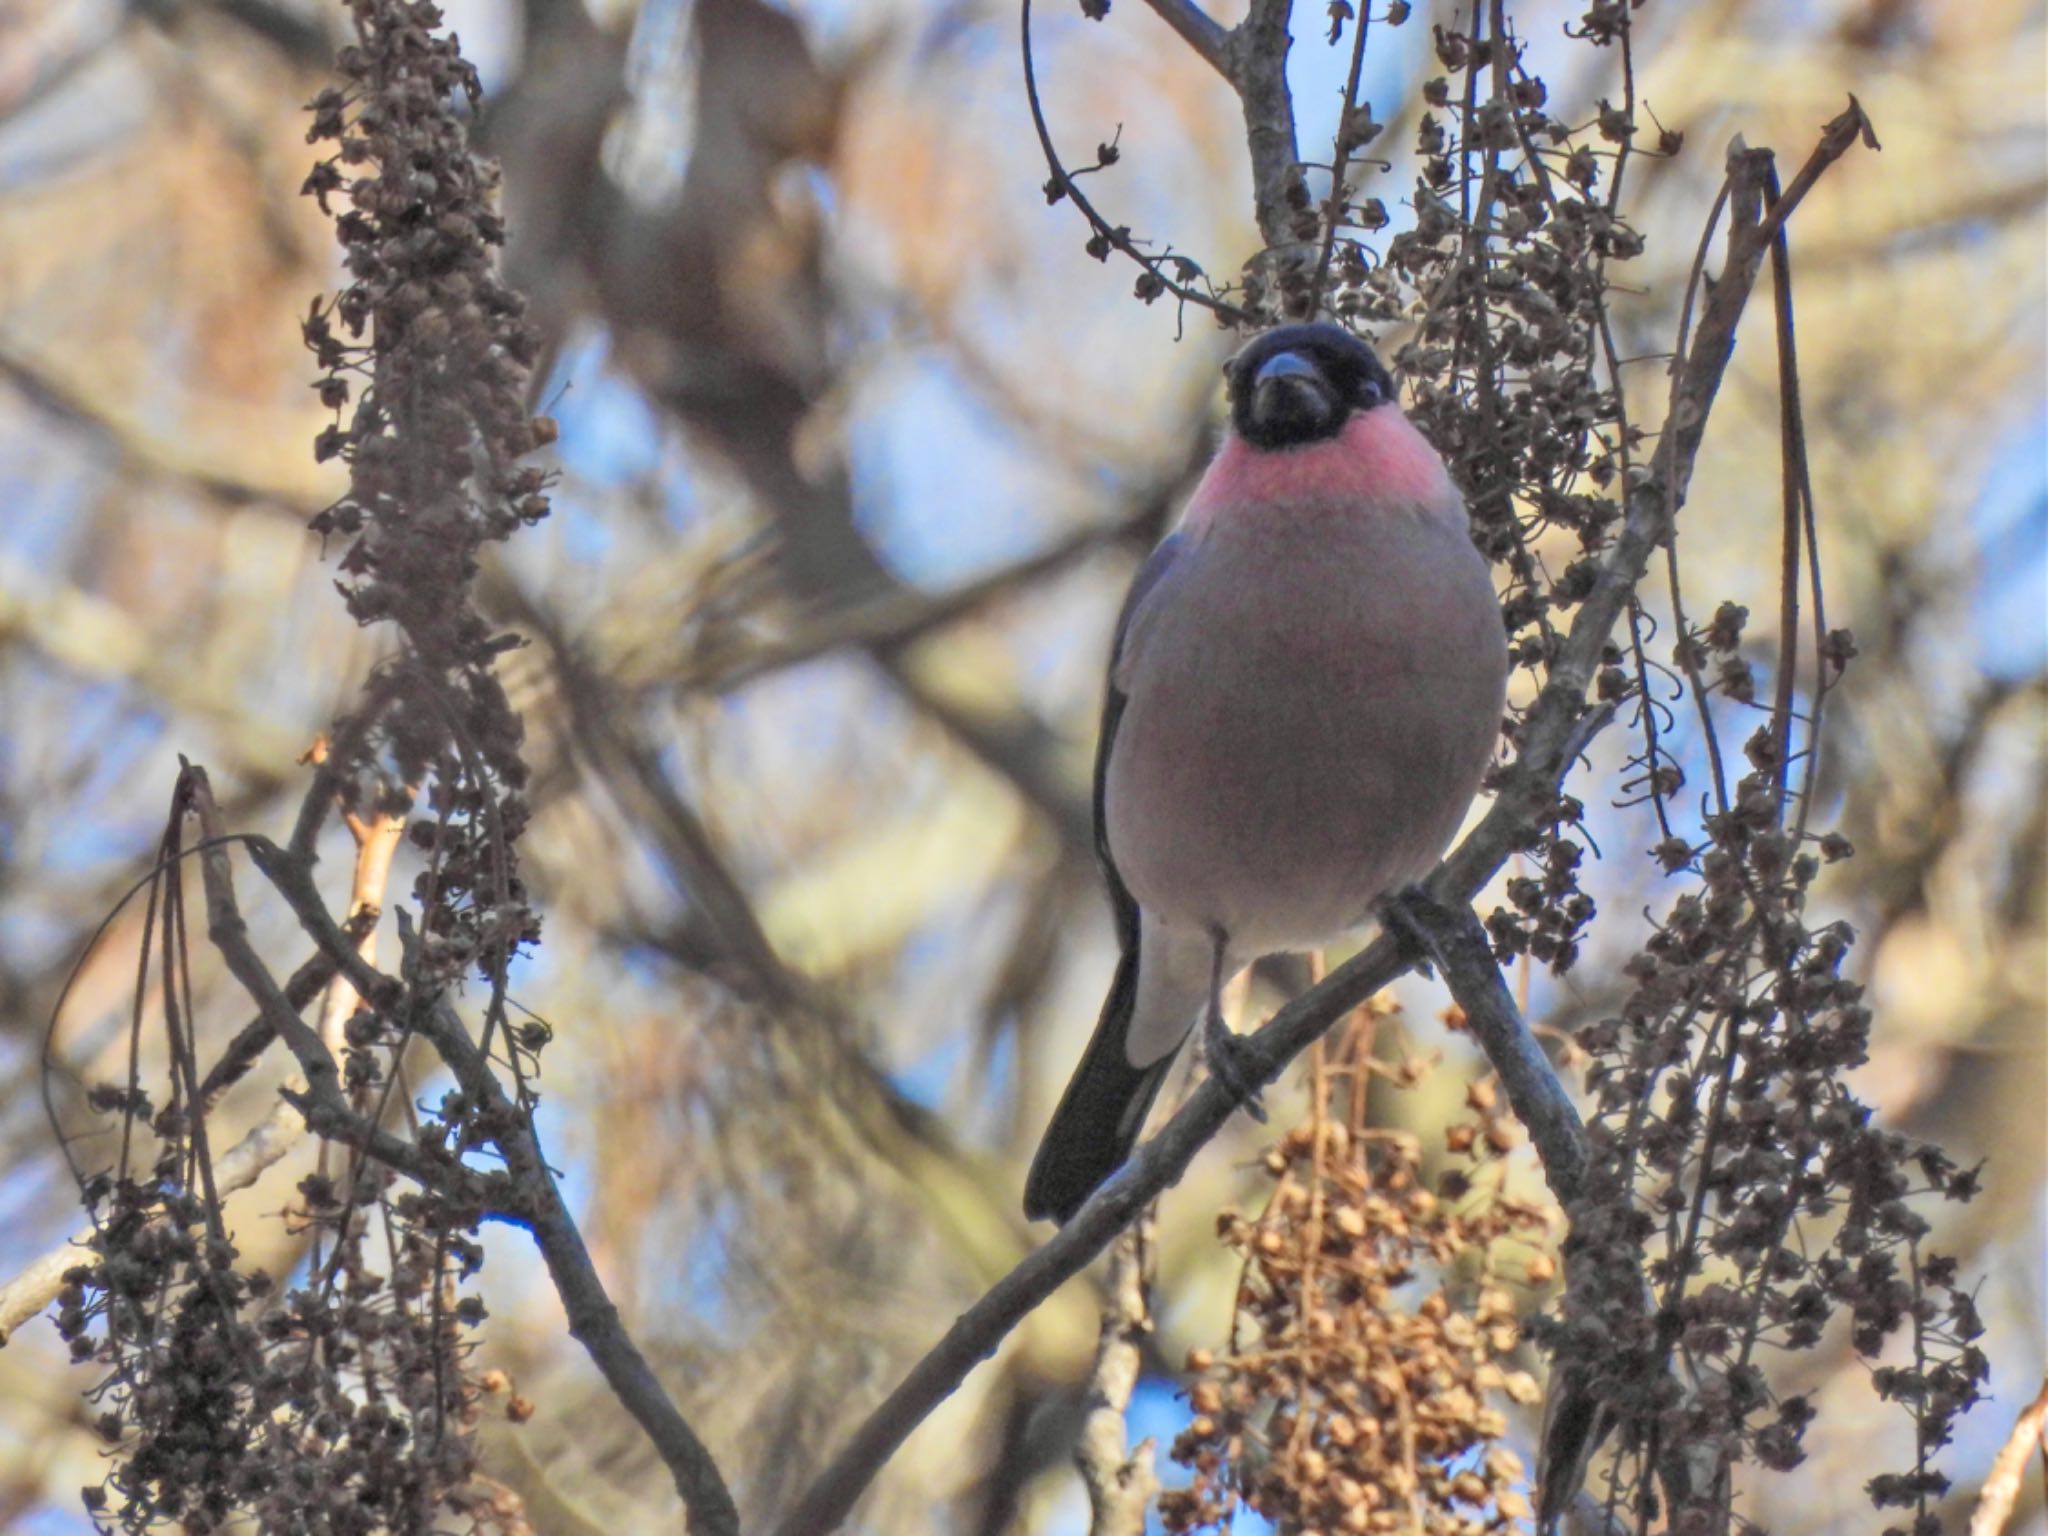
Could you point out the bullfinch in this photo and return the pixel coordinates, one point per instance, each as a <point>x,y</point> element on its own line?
<point>1305,688</point>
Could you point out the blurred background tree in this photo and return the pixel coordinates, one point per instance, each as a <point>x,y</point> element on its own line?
<point>858,449</point>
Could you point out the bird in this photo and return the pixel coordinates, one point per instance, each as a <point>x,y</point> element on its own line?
<point>1306,685</point>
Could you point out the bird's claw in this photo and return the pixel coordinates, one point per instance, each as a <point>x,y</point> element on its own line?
<point>1223,1053</point>
<point>1399,911</point>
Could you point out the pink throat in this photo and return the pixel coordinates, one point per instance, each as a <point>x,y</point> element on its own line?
<point>1379,459</point>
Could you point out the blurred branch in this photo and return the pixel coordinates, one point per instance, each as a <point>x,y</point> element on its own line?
<point>1547,741</point>
<point>2002,1486</point>
<point>102,642</point>
<point>36,1286</point>
<point>1015,744</point>
<point>720,935</point>
<point>285,27</point>
<point>1120,1478</point>
<point>901,615</point>
<point>735,934</point>
<point>66,404</point>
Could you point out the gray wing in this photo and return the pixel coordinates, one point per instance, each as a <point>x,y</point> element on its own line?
<point>1104,1107</point>
<point>1156,565</point>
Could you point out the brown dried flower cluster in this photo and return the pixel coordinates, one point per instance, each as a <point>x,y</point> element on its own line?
<point>339,1408</point>
<point>437,355</point>
<point>1373,1336</point>
<point>1736,1170</point>
<point>1504,279</point>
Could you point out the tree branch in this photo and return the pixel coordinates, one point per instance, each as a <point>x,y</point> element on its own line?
<point>2009,1468</point>
<point>1110,236</point>
<point>1257,52</point>
<point>1456,940</point>
<point>322,1103</point>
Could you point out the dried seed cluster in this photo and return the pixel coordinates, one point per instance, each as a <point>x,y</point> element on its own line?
<point>1735,1170</point>
<point>341,1407</point>
<point>1371,1345</point>
<point>436,354</point>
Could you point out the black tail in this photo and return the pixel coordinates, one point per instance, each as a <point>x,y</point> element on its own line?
<point>1101,1113</point>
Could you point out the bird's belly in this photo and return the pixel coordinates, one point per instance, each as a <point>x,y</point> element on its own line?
<point>1284,759</point>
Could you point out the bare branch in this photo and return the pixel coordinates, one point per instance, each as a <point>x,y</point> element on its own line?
<point>1258,68</point>
<point>1455,939</point>
<point>253,1039</point>
<point>322,1103</point>
<point>1108,236</point>
<point>37,1286</point>
<point>1340,161</point>
<point>1252,56</point>
<point>900,616</point>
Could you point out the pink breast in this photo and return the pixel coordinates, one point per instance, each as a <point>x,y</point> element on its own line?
<point>1378,459</point>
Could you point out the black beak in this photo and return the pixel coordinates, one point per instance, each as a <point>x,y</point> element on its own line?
<point>1291,401</point>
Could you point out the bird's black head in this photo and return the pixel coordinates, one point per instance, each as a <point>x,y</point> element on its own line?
<point>1299,384</point>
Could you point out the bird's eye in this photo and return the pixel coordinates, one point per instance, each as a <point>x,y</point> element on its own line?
<point>1369,393</point>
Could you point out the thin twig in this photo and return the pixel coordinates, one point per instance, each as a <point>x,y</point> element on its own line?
<point>254,1037</point>
<point>900,616</point>
<point>1340,160</point>
<point>1795,490</point>
<point>1799,497</point>
<point>1112,236</point>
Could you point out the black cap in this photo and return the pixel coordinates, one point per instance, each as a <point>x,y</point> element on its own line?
<point>1299,384</point>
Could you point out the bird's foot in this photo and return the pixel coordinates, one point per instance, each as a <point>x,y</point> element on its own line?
<point>1223,1052</point>
<point>1406,914</point>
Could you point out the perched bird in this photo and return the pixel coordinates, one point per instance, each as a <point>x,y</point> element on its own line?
<point>1305,689</point>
